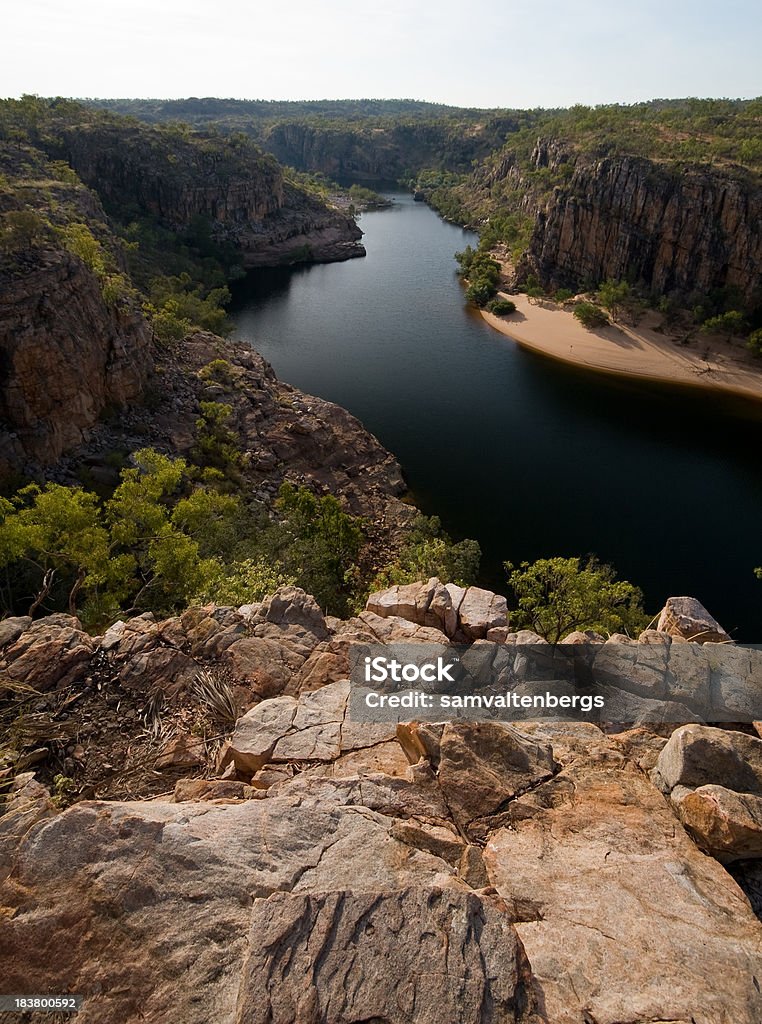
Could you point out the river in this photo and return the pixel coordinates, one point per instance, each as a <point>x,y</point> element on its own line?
<point>530,457</point>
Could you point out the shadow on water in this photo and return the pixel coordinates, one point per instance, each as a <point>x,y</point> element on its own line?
<point>532,457</point>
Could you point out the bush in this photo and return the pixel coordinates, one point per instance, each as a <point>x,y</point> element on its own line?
<point>729,323</point>
<point>558,595</point>
<point>754,344</point>
<point>501,307</point>
<point>563,295</point>
<point>614,295</point>
<point>480,291</point>
<point>590,315</point>
<point>428,551</point>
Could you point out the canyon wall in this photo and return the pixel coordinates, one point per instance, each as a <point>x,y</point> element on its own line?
<point>688,230</point>
<point>175,176</point>
<point>65,357</point>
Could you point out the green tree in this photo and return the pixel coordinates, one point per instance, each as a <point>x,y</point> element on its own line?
<point>614,296</point>
<point>429,551</point>
<point>319,543</point>
<point>56,540</point>
<point>754,344</point>
<point>730,323</point>
<point>501,307</point>
<point>590,315</point>
<point>555,596</point>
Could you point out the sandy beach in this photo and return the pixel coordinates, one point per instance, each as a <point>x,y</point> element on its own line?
<point>639,352</point>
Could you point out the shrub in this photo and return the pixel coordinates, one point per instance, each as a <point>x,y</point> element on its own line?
<point>563,295</point>
<point>480,291</point>
<point>501,307</point>
<point>590,315</point>
<point>729,323</point>
<point>754,344</point>
<point>558,595</point>
<point>20,229</point>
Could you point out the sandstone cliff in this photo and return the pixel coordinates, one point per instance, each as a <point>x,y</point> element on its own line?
<point>689,229</point>
<point>175,175</point>
<point>66,356</point>
<point>68,348</point>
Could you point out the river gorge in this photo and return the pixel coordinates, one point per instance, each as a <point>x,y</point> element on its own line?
<point>530,457</point>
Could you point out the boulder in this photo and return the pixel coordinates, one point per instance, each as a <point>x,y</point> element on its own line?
<point>460,613</point>
<point>481,610</point>
<point>257,732</point>
<point>698,755</point>
<point>727,825</point>
<point>480,766</point>
<point>48,654</point>
<point>687,618</point>
<point>188,884</point>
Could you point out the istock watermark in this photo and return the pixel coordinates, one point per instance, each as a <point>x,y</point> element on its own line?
<point>625,683</point>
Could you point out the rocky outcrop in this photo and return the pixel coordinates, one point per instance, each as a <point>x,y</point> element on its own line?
<point>65,356</point>
<point>461,613</point>
<point>569,895</point>
<point>379,152</point>
<point>687,618</point>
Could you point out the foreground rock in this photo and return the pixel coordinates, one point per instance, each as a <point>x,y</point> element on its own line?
<point>462,614</point>
<point>714,780</point>
<point>446,956</point>
<point>612,898</point>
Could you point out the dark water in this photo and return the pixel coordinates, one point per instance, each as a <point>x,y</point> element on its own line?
<point>531,458</point>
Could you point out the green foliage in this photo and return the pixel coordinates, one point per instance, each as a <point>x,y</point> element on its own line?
<point>179,303</point>
<point>218,371</point>
<point>216,444</point>
<point>730,323</point>
<point>167,322</point>
<point>22,229</point>
<point>754,344</point>
<point>429,551</point>
<point>590,315</point>
<point>482,274</point>
<point>614,296</point>
<point>501,307</point>
<point>562,295</point>
<point>555,596</point>
<point>79,240</point>
<point>319,544</point>
<point>242,582</point>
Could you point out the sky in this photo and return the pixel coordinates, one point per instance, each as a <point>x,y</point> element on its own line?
<point>485,53</point>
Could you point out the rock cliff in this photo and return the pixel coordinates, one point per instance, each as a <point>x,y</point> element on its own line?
<point>688,230</point>
<point>67,351</point>
<point>178,175</point>
<point>308,866</point>
<point>685,228</point>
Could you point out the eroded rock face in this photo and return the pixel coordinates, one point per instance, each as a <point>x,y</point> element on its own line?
<point>312,958</point>
<point>624,217</point>
<point>66,356</point>
<point>355,851</point>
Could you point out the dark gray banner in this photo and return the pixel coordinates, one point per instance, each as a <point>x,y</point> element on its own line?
<point>633,683</point>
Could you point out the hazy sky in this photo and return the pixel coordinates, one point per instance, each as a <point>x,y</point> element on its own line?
<point>521,53</point>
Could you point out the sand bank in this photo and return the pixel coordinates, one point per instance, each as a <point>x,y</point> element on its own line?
<point>639,352</point>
